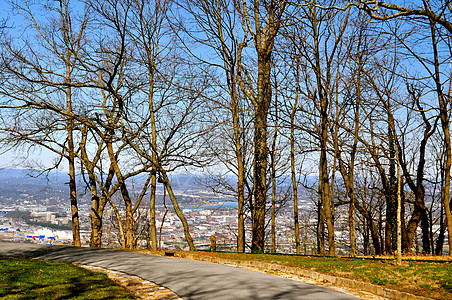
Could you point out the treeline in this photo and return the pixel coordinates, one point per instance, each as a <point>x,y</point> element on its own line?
<point>356,94</point>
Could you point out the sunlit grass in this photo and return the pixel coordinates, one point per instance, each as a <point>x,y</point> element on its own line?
<point>35,279</point>
<point>424,278</point>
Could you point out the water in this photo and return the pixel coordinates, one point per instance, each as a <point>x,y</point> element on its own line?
<point>224,204</point>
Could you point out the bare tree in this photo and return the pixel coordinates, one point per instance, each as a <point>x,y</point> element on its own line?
<point>218,23</point>
<point>179,139</point>
<point>436,12</point>
<point>43,71</point>
<point>147,32</point>
<point>262,22</point>
<point>323,31</point>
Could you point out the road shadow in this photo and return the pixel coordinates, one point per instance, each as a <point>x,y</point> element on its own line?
<point>187,278</point>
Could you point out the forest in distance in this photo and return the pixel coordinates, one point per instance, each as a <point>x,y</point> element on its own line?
<point>271,93</point>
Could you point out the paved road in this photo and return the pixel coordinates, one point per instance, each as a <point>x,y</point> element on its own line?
<point>189,279</point>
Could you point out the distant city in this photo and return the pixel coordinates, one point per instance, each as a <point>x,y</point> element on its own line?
<point>36,210</point>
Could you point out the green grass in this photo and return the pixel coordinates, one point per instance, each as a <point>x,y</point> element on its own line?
<point>34,279</point>
<point>424,278</point>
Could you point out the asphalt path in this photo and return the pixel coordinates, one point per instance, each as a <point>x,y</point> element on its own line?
<point>188,278</point>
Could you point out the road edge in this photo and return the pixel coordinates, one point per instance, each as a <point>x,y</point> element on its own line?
<point>334,280</point>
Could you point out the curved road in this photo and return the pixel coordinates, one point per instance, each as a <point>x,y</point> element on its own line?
<point>187,278</point>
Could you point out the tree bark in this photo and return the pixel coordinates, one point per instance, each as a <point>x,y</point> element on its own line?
<point>445,124</point>
<point>263,34</point>
<point>294,189</point>
<point>372,227</point>
<point>391,202</point>
<point>324,186</point>
<point>177,209</point>
<point>67,36</point>
<point>273,221</point>
<point>72,176</point>
<point>152,221</point>
<point>129,237</point>
<point>152,218</point>
<point>260,174</point>
<point>292,161</point>
<point>240,165</point>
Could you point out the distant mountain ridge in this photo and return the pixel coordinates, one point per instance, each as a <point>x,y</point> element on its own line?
<point>17,185</point>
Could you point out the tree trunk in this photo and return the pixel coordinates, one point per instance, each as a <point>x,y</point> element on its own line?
<point>351,226</point>
<point>273,222</point>
<point>122,235</point>
<point>349,185</point>
<point>240,209</point>
<point>391,202</point>
<point>324,192</point>
<point>372,227</point>
<point>320,228</point>
<point>425,226</point>
<point>177,209</point>
<point>444,104</point>
<point>292,160</point>
<point>261,106</point>
<point>263,35</point>
<point>260,178</point>
<point>442,230</point>
<point>399,214</point>
<point>365,239</point>
<point>96,219</point>
<point>273,176</point>
<point>294,188</point>
<point>152,223</point>
<point>445,193</point>
<point>97,205</point>
<point>152,219</point>
<point>240,169</point>
<point>129,243</point>
<point>324,187</point>
<point>72,180</point>
<point>70,130</point>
